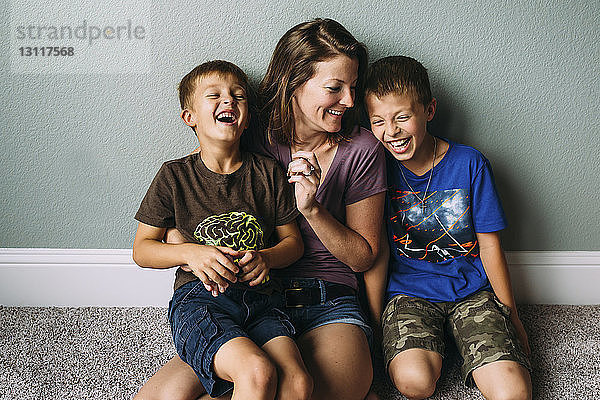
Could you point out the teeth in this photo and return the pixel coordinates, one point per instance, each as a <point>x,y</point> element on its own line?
<point>334,112</point>
<point>226,116</point>
<point>399,143</point>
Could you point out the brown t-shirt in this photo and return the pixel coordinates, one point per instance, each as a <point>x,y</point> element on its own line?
<point>238,210</point>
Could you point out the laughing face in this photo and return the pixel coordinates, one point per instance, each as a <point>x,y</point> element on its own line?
<point>399,122</point>
<point>219,110</point>
<point>319,104</point>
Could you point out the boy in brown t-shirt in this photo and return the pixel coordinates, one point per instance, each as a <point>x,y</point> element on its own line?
<point>229,206</point>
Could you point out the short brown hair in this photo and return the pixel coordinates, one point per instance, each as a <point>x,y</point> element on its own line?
<point>188,83</point>
<point>293,63</point>
<point>400,75</point>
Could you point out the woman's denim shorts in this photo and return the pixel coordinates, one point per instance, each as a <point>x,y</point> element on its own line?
<point>343,309</point>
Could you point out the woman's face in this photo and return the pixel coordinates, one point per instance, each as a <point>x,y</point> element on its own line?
<point>321,101</point>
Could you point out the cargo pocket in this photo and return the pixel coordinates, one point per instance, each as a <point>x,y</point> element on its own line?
<point>194,338</point>
<point>503,307</point>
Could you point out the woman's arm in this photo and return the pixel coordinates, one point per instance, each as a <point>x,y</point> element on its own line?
<point>357,243</point>
<point>288,250</point>
<point>496,268</point>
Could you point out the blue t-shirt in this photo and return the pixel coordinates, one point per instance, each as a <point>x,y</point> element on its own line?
<point>434,252</point>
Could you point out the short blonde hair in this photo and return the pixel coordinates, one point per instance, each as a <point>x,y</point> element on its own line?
<point>188,83</point>
<point>400,75</point>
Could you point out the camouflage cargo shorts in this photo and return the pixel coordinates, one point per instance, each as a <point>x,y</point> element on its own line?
<point>480,326</point>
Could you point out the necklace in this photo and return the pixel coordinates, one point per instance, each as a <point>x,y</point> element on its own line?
<point>422,200</point>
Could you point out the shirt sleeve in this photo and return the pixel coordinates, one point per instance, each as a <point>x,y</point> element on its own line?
<point>369,177</point>
<point>286,202</point>
<point>488,215</point>
<point>157,208</point>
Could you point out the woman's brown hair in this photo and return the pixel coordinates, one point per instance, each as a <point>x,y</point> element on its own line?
<point>293,63</point>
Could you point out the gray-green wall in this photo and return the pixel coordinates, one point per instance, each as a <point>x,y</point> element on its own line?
<point>518,80</point>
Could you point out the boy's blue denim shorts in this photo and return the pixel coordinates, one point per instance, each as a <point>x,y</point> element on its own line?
<point>201,324</point>
<point>343,309</point>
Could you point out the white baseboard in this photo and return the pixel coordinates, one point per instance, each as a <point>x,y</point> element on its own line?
<point>80,278</point>
<point>555,277</point>
<point>109,278</point>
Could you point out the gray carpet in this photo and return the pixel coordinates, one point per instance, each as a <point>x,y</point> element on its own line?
<point>108,353</point>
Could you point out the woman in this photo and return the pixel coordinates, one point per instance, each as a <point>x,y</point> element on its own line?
<point>309,92</point>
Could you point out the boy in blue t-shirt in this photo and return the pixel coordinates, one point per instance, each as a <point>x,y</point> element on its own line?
<point>447,272</point>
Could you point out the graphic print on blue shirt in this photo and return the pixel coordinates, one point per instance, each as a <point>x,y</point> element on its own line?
<point>438,232</point>
<point>434,253</point>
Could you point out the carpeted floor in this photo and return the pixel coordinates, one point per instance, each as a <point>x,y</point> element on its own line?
<point>108,353</point>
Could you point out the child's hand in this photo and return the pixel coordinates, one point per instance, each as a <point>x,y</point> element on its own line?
<point>173,236</point>
<point>254,267</point>
<point>514,316</point>
<point>211,287</point>
<point>213,265</point>
<point>304,171</point>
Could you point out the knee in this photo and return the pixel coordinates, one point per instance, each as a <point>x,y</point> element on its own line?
<point>415,389</point>
<point>259,375</point>
<point>503,381</point>
<point>415,383</point>
<point>504,392</point>
<point>297,387</point>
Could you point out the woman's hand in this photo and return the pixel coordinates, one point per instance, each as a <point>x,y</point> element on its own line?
<point>304,171</point>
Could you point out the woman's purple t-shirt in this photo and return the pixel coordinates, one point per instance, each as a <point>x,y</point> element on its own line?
<point>356,172</point>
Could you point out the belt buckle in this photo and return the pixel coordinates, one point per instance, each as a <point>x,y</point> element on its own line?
<point>292,290</point>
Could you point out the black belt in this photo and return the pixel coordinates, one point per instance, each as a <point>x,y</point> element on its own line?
<point>310,296</point>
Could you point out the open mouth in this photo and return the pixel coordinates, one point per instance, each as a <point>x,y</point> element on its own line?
<point>399,145</point>
<point>226,116</point>
<point>335,113</point>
